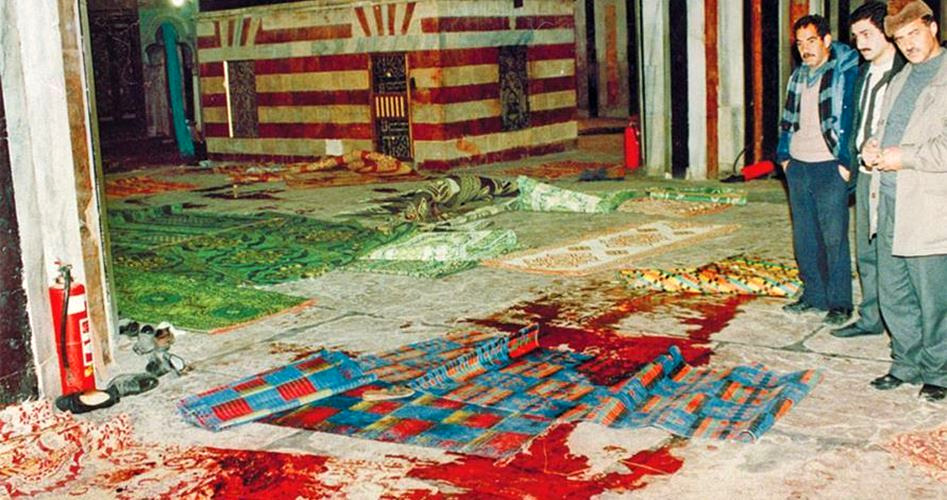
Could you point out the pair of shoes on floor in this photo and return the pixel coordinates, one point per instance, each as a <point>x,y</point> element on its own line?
<point>119,387</point>
<point>853,330</point>
<point>837,316</point>
<point>933,393</point>
<point>798,307</point>
<point>152,338</point>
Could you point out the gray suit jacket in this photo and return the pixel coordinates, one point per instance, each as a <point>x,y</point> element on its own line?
<point>920,216</point>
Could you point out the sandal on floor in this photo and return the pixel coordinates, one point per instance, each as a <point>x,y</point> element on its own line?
<point>145,343</point>
<point>393,392</point>
<point>162,362</point>
<point>130,384</point>
<point>82,402</point>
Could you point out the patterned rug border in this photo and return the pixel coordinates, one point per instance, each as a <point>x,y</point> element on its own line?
<point>297,308</point>
<point>501,263</point>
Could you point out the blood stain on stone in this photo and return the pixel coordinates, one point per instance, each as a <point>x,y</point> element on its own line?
<point>547,469</point>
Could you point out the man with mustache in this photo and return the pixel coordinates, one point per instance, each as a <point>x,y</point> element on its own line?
<point>882,62</point>
<point>908,203</point>
<point>814,152</point>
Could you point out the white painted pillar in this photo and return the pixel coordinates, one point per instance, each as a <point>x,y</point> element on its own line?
<point>41,156</point>
<point>656,60</point>
<point>696,92</point>
<point>732,93</point>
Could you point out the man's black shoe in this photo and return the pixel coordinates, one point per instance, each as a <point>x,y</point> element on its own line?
<point>837,317</point>
<point>734,178</point>
<point>852,330</point>
<point>933,392</point>
<point>889,381</point>
<point>797,307</point>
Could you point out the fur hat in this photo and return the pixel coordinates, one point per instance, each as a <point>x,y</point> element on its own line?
<point>901,13</point>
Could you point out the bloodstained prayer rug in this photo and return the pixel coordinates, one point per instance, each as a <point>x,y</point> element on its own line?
<point>734,275</point>
<point>926,449</point>
<point>49,454</point>
<point>609,250</point>
<point>478,399</point>
<point>252,398</point>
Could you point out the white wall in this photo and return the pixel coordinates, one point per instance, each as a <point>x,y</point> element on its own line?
<point>41,156</point>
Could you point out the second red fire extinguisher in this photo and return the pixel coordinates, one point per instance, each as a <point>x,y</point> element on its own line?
<point>73,336</point>
<point>632,145</point>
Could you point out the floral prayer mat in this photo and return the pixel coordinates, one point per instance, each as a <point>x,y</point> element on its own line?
<point>169,224</point>
<point>734,275</point>
<point>142,185</point>
<point>194,303</point>
<point>559,169</point>
<point>700,194</point>
<point>276,249</point>
<point>609,250</point>
<point>316,377</point>
<point>924,449</point>
<point>540,197</point>
<point>492,397</point>
<point>48,454</point>
<point>674,208</point>
<point>448,246</point>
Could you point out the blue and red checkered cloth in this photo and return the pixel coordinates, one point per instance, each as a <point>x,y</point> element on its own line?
<point>489,395</point>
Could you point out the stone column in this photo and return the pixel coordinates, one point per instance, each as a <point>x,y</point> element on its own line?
<point>611,43</point>
<point>732,99</point>
<point>696,92</point>
<point>58,209</point>
<point>656,57</point>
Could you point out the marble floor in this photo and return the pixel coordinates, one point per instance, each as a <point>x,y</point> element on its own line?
<point>829,446</point>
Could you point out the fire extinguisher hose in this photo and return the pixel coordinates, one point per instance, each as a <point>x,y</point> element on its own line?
<point>67,287</point>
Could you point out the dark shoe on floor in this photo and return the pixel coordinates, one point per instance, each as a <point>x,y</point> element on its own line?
<point>733,178</point>
<point>82,402</point>
<point>886,382</point>
<point>933,392</point>
<point>852,330</point>
<point>798,307</point>
<point>837,317</point>
<point>131,384</point>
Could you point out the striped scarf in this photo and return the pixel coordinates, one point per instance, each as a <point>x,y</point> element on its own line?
<point>830,95</point>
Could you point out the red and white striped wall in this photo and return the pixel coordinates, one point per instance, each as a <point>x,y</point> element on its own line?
<point>312,66</point>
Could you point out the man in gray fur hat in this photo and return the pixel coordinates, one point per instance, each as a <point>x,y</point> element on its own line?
<point>908,204</point>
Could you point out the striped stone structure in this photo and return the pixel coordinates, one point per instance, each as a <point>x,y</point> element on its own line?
<point>441,83</point>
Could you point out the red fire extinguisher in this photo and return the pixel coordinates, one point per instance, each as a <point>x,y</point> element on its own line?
<point>73,337</point>
<point>632,145</point>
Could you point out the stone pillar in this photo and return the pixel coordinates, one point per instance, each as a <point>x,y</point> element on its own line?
<point>611,43</point>
<point>732,100</point>
<point>696,92</point>
<point>581,59</point>
<point>657,110</point>
<point>48,119</point>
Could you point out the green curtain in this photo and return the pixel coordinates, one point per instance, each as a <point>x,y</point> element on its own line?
<point>173,65</point>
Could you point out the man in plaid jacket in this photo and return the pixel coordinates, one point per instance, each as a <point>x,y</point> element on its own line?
<point>813,150</point>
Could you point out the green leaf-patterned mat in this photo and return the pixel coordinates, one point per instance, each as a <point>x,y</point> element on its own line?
<point>195,269</point>
<point>416,268</point>
<point>193,303</point>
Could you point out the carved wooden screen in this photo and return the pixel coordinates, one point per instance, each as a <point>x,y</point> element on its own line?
<point>244,116</point>
<point>514,88</point>
<point>390,105</point>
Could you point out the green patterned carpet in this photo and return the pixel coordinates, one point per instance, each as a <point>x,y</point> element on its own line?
<point>196,269</point>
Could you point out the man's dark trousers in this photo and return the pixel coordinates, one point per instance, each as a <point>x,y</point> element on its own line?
<point>866,255</point>
<point>818,198</point>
